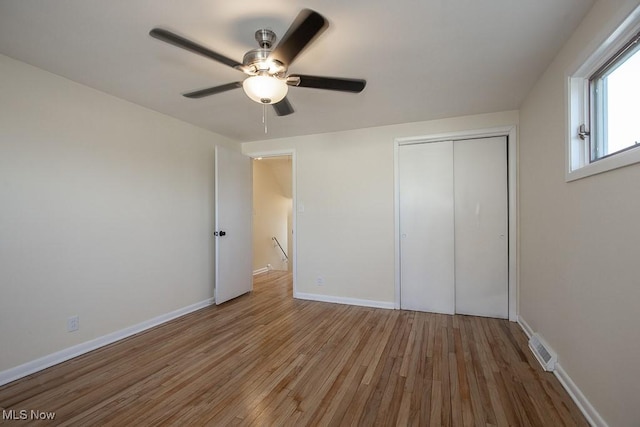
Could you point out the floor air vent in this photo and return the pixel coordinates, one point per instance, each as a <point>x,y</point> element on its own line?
<point>543,353</point>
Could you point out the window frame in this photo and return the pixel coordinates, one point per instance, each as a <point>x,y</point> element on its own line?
<point>598,140</point>
<point>580,103</point>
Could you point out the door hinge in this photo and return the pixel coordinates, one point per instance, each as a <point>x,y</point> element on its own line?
<point>583,133</point>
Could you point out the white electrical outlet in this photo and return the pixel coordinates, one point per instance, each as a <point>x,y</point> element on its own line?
<point>320,281</point>
<point>73,323</point>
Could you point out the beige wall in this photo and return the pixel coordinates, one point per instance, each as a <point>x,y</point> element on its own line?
<point>271,209</point>
<point>105,212</point>
<point>345,185</point>
<point>580,275</point>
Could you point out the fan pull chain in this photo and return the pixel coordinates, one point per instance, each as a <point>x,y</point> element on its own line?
<point>264,117</point>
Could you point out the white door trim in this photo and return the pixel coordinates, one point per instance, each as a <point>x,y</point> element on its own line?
<point>286,152</point>
<point>512,144</point>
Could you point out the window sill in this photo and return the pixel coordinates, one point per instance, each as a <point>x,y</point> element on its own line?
<point>616,161</point>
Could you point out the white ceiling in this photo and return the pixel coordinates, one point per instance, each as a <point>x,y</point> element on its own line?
<point>422,59</point>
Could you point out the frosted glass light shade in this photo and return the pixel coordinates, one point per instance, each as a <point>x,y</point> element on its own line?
<point>265,89</point>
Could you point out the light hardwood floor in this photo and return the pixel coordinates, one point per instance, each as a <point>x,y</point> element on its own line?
<point>267,359</point>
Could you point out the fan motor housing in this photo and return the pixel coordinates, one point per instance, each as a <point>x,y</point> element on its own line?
<point>257,60</point>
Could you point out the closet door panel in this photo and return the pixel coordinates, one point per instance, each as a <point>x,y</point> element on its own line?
<point>426,227</point>
<point>481,240</point>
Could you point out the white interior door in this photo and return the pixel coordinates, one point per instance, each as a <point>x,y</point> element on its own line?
<point>426,227</point>
<point>233,222</point>
<point>481,243</point>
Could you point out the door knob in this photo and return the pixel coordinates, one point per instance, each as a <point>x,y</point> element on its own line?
<point>220,233</point>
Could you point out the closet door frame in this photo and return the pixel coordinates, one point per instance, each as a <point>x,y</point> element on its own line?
<point>511,133</point>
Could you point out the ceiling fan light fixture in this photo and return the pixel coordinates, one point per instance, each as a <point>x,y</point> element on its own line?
<point>265,89</point>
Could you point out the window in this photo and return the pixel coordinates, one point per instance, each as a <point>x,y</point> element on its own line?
<point>604,105</point>
<point>615,103</point>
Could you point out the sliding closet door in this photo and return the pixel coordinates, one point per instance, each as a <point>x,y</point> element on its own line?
<point>426,227</point>
<point>481,243</point>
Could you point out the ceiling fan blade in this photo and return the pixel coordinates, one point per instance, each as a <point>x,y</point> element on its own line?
<point>212,90</point>
<point>329,83</point>
<point>179,41</point>
<point>283,108</point>
<point>307,25</point>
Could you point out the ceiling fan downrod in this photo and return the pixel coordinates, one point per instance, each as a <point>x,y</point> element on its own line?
<point>265,38</point>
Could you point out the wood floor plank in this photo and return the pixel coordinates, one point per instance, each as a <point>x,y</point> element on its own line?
<point>267,359</point>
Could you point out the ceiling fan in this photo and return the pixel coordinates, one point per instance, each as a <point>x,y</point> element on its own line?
<point>268,79</point>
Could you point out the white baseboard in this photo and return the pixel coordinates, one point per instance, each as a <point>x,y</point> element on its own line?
<point>590,413</point>
<point>260,270</point>
<point>47,361</point>
<point>525,327</point>
<point>587,409</point>
<point>344,300</point>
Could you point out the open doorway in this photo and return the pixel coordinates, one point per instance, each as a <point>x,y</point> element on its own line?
<point>272,214</point>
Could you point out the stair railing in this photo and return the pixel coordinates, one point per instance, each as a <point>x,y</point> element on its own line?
<point>280,246</point>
